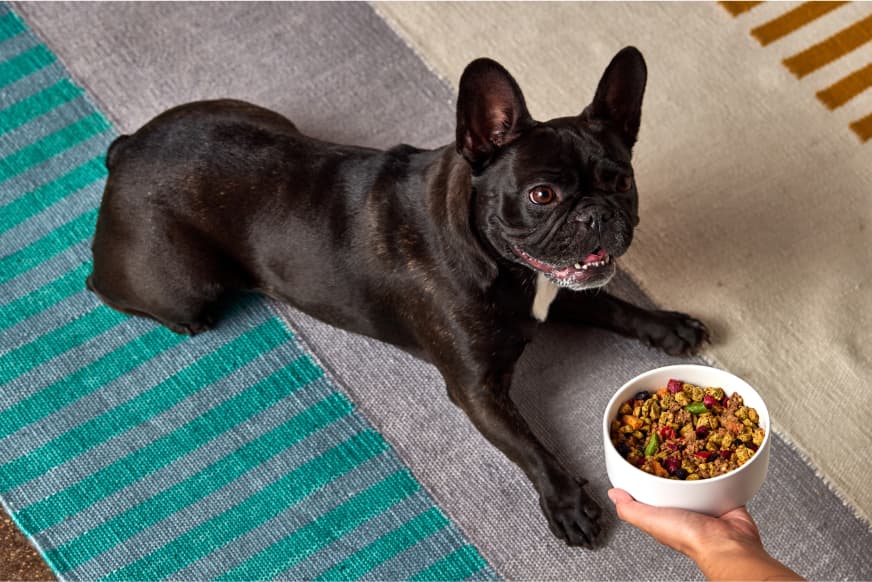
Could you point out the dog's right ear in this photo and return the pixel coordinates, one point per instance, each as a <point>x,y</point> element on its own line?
<point>491,112</point>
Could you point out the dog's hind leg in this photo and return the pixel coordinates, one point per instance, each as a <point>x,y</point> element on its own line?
<point>178,285</point>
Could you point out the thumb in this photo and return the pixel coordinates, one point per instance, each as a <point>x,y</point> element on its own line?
<point>619,496</point>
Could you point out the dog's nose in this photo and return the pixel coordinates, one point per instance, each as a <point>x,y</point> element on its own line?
<point>594,217</point>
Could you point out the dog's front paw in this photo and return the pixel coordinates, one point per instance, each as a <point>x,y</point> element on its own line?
<point>677,334</point>
<point>571,513</point>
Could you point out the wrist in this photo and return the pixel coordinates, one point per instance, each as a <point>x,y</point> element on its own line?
<point>719,558</point>
<point>739,560</point>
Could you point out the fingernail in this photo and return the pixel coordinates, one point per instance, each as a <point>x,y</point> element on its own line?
<point>611,494</point>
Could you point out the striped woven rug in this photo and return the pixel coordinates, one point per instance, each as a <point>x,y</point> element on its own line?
<point>128,452</point>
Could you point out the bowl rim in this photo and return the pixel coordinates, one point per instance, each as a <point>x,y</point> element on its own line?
<point>678,482</point>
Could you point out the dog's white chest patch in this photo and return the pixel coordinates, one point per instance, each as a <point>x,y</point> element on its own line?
<point>546,291</point>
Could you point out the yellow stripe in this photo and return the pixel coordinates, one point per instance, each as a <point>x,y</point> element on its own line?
<point>737,8</point>
<point>863,127</point>
<point>827,51</point>
<point>843,91</point>
<point>790,21</point>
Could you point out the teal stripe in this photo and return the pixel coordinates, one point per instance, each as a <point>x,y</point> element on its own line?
<point>41,349</point>
<point>10,25</point>
<point>24,64</point>
<point>254,511</point>
<point>458,565</point>
<point>44,297</point>
<point>87,379</point>
<point>51,145</point>
<point>172,446</point>
<point>331,526</point>
<point>39,199</point>
<point>386,547</point>
<point>229,357</point>
<point>53,243</point>
<point>103,537</point>
<point>38,104</point>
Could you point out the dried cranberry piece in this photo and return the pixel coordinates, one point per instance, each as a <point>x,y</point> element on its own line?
<point>702,431</point>
<point>667,432</point>
<point>752,446</point>
<point>639,461</point>
<point>671,465</point>
<point>674,386</point>
<point>709,401</point>
<point>726,454</point>
<point>706,455</point>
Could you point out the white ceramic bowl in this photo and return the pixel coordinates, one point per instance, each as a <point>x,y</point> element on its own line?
<point>713,496</point>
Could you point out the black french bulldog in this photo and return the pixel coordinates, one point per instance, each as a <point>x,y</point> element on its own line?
<point>454,254</point>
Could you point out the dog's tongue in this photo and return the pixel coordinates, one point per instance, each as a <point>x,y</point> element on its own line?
<point>599,255</point>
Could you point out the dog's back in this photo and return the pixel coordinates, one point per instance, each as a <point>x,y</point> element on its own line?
<point>217,196</point>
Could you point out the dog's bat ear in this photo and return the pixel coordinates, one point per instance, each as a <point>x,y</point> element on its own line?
<point>618,99</point>
<point>491,112</point>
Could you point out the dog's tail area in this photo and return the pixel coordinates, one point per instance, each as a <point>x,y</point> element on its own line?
<point>114,151</point>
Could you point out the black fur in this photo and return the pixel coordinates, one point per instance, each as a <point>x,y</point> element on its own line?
<point>434,251</point>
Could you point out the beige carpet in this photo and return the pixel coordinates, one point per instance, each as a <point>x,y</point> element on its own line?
<point>756,192</point>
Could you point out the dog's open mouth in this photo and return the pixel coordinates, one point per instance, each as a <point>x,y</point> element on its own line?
<point>593,270</point>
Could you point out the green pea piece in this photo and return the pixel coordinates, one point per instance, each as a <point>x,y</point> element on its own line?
<point>652,445</point>
<point>696,408</point>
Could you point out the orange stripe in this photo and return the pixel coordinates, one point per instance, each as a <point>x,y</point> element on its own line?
<point>843,91</point>
<point>825,52</point>
<point>863,127</point>
<point>790,21</point>
<point>737,8</point>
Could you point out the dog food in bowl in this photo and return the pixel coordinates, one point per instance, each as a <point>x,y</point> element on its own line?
<point>686,432</point>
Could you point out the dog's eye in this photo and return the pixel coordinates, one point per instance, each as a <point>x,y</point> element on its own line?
<point>542,195</point>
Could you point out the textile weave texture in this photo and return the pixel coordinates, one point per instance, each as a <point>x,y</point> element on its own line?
<point>341,74</point>
<point>128,452</point>
<point>754,197</point>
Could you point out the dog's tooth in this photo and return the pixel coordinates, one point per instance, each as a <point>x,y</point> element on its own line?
<point>577,265</point>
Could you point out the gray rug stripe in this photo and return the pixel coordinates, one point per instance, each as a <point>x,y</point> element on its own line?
<point>29,85</point>
<point>123,389</point>
<point>21,88</point>
<point>55,425</point>
<point>188,518</point>
<point>337,551</point>
<point>55,166</point>
<point>328,497</point>
<point>378,93</point>
<point>34,228</point>
<point>43,126</point>
<point>67,363</point>
<point>28,330</point>
<point>183,468</point>
<point>50,270</point>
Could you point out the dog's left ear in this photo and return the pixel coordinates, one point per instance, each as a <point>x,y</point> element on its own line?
<point>491,112</point>
<point>618,99</point>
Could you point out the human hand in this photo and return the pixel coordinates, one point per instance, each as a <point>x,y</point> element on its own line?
<point>725,547</point>
<point>687,531</point>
